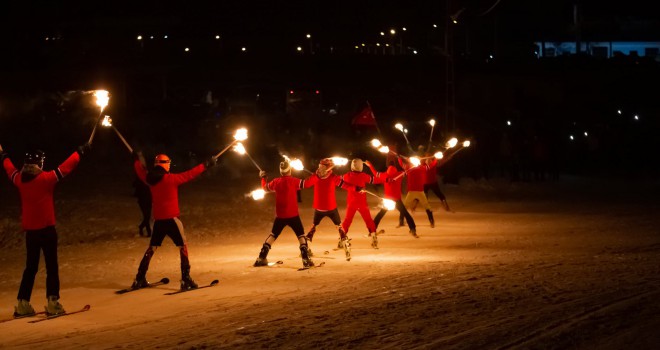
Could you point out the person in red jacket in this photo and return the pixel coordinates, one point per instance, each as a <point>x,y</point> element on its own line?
<point>416,179</point>
<point>325,202</point>
<point>36,187</point>
<point>392,180</point>
<point>356,200</point>
<point>164,187</point>
<point>431,182</point>
<point>286,212</point>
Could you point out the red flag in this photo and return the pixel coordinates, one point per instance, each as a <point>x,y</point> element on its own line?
<point>365,118</point>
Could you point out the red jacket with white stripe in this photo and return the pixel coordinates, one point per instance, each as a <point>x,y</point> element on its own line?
<point>392,182</point>
<point>165,188</point>
<point>324,190</point>
<point>286,199</point>
<point>36,192</point>
<point>359,179</point>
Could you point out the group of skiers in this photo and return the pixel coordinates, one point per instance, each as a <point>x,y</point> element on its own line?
<point>36,188</point>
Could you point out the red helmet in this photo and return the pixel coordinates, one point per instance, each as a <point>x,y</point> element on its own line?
<point>162,160</point>
<point>326,162</point>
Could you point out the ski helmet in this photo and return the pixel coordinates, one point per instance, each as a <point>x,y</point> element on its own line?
<point>163,161</point>
<point>35,157</point>
<point>356,164</point>
<point>285,168</point>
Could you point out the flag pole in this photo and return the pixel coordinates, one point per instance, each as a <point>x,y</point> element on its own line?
<point>375,121</point>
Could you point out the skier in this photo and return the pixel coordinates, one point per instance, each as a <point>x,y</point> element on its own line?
<point>356,200</point>
<point>36,187</point>
<point>164,188</point>
<point>286,212</point>
<point>143,195</point>
<point>325,202</point>
<point>416,178</point>
<point>431,182</point>
<point>392,180</point>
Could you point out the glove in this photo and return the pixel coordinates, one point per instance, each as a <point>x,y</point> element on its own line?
<point>210,162</point>
<point>358,188</point>
<point>82,149</point>
<point>262,174</point>
<point>137,155</point>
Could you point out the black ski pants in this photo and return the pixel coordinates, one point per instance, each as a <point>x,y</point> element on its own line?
<point>35,241</point>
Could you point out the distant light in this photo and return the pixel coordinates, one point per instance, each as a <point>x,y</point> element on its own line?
<point>165,37</point>
<point>47,38</point>
<point>586,133</point>
<point>139,37</point>
<point>392,31</point>
<point>217,37</point>
<point>435,26</point>
<point>318,92</point>
<point>415,52</point>
<point>618,111</point>
<point>151,37</point>
<point>291,92</point>
<point>186,49</point>
<point>536,52</point>
<point>636,117</point>
<point>308,36</point>
<point>508,122</point>
<point>298,48</point>
<point>388,45</point>
<point>571,137</point>
<point>363,45</point>
<point>357,47</point>
<point>491,56</point>
<point>377,44</point>
<point>404,29</point>
<point>382,33</point>
<point>455,21</point>
<point>243,49</point>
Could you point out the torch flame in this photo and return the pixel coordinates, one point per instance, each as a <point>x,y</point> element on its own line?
<point>239,148</point>
<point>466,143</point>
<point>339,161</point>
<point>376,143</point>
<point>389,204</point>
<point>257,194</point>
<point>297,164</point>
<point>432,122</point>
<point>415,161</point>
<point>399,127</point>
<point>452,142</point>
<point>102,98</point>
<point>107,121</point>
<point>241,134</point>
<point>438,155</point>
<point>384,149</point>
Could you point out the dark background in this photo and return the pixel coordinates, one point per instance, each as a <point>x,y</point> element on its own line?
<point>188,104</point>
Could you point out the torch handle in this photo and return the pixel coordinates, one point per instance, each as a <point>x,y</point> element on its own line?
<point>130,149</point>
<point>224,150</point>
<point>98,120</point>
<point>253,162</point>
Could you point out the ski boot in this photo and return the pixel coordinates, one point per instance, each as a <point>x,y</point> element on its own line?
<point>54,307</point>
<point>413,232</point>
<point>374,239</point>
<point>187,283</point>
<point>310,234</point>
<point>140,282</point>
<point>307,262</point>
<point>340,244</point>
<point>23,308</point>
<point>445,205</point>
<point>346,243</point>
<point>261,260</point>
<point>431,220</point>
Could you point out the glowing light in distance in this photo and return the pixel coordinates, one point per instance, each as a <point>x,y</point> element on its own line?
<point>139,37</point>
<point>217,37</point>
<point>376,143</point>
<point>186,49</point>
<point>243,48</point>
<point>382,33</point>
<point>586,134</point>
<point>257,194</point>
<point>435,26</point>
<point>452,142</point>
<point>308,36</point>
<point>298,48</point>
<point>571,137</point>
<point>404,29</point>
<point>239,148</point>
<point>389,204</point>
<point>398,126</point>
<point>297,164</point>
<point>384,149</point>
<point>415,161</point>
<point>392,31</point>
<point>107,121</point>
<point>415,52</point>
<point>636,117</point>
<point>438,155</point>
<point>618,111</point>
<point>466,143</point>
<point>102,98</point>
<point>432,122</point>
<point>339,161</point>
<point>405,131</point>
<point>241,134</point>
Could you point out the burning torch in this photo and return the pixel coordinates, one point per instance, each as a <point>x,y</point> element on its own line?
<point>239,135</point>
<point>382,148</point>
<point>107,122</point>
<point>399,127</point>
<point>240,149</point>
<point>102,99</point>
<point>432,122</point>
<point>387,203</point>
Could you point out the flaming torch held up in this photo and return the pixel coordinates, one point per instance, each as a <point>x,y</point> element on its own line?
<point>399,127</point>
<point>240,149</point>
<point>387,203</point>
<point>257,194</point>
<point>107,122</point>
<point>240,135</point>
<point>102,100</point>
<point>432,122</point>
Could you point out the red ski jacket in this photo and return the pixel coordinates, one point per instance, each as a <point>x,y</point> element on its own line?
<point>165,188</point>
<point>324,190</point>
<point>36,192</point>
<point>358,179</point>
<point>286,199</point>
<point>392,186</point>
<point>416,175</point>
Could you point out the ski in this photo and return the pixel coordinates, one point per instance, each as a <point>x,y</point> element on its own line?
<point>159,283</point>
<point>212,284</point>
<point>16,317</point>
<point>312,267</point>
<point>85,308</point>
